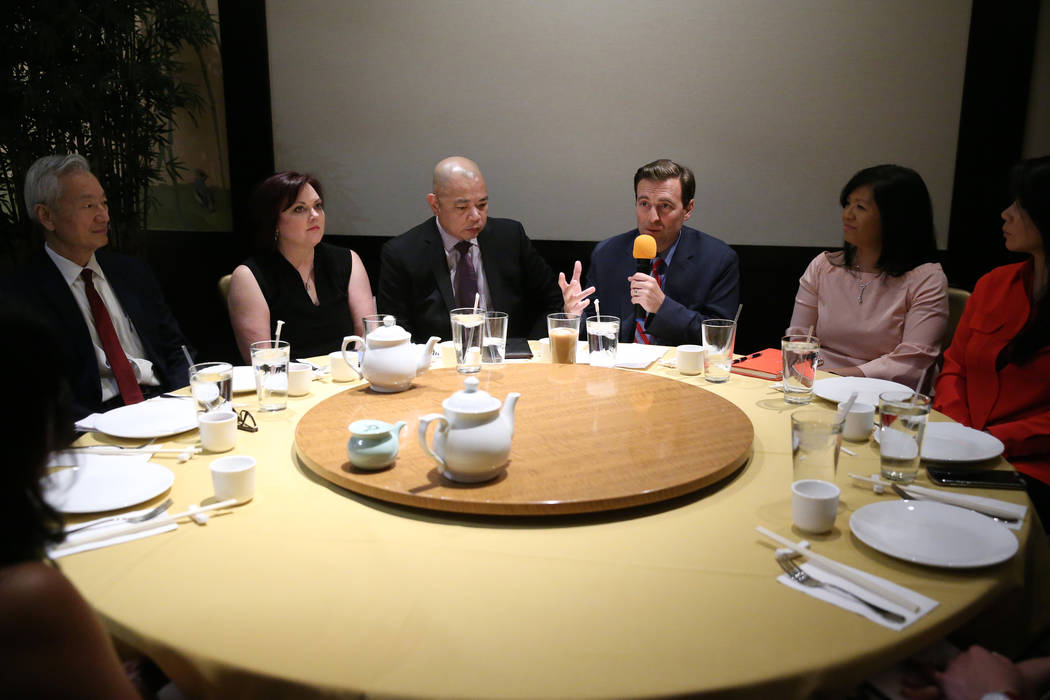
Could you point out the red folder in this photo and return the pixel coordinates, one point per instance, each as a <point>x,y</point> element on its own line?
<point>765,364</point>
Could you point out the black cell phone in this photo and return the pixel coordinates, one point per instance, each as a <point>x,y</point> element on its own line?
<point>988,479</point>
<point>518,349</point>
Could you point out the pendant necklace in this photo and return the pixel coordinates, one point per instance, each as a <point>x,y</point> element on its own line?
<point>863,286</point>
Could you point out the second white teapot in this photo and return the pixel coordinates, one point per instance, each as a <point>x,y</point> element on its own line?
<point>390,361</point>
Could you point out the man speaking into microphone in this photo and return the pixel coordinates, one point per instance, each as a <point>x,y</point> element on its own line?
<point>661,293</point>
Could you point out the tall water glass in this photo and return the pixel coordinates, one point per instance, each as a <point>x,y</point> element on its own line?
<point>467,334</point>
<point>902,423</point>
<point>816,437</point>
<point>494,338</point>
<point>270,362</point>
<point>800,353</point>
<point>563,330</point>
<point>603,334</point>
<point>719,335</point>
<point>211,384</point>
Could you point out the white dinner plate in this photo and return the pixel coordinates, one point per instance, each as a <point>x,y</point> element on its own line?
<point>954,442</point>
<point>101,483</point>
<point>243,379</point>
<point>936,534</point>
<point>838,389</point>
<point>149,419</point>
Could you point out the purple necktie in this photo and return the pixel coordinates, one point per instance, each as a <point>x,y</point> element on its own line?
<point>466,276</point>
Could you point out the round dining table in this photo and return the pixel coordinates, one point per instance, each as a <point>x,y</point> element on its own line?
<point>314,589</point>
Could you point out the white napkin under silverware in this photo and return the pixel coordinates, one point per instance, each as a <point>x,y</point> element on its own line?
<point>74,543</point>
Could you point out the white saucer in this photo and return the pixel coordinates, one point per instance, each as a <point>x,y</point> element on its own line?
<point>149,419</point>
<point>838,389</point>
<point>931,533</point>
<point>102,482</point>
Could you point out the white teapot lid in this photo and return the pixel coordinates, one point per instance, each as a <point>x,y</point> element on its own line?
<point>471,399</point>
<point>388,333</point>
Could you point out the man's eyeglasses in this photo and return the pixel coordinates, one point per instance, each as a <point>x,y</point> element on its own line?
<point>246,421</point>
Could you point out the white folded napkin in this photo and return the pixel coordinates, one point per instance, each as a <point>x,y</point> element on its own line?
<point>964,500</point>
<point>71,546</point>
<point>638,355</point>
<point>846,603</point>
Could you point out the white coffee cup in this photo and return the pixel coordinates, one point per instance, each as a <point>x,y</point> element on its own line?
<point>859,423</point>
<point>218,430</point>
<point>341,371</point>
<point>690,359</point>
<point>233,477</point>
<point>300,375</point>
<point>814,505</point>
<point>543,351</point>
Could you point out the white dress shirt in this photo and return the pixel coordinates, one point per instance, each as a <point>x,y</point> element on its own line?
<point>452,255</point>
<point>126,334</point>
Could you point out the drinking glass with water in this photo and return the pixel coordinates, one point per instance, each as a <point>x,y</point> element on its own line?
<point>603,334</point>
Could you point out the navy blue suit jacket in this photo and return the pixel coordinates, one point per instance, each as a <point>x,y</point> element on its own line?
<point>415,287</point>
<point>40,286</point>
<point>703,281</point>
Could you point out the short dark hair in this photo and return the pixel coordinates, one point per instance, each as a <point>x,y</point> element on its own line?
<point>43,423</point>
<point>272,196</point>
<point>906,214</point>
<point>665,169</point>
<point>1030,183</point>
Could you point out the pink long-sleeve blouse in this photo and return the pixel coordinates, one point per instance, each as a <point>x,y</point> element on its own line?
<point>888,327</point>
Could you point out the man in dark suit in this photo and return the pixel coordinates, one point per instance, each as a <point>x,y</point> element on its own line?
<point>694,276</point>
<point>116,301</point>
<point>443,262</point>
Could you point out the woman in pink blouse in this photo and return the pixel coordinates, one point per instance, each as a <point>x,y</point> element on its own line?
<point>879,305</point>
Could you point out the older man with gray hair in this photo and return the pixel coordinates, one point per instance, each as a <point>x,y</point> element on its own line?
<point>443,262</point>
<point>122,342</point>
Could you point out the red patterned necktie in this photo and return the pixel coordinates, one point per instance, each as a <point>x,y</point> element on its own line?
<point>107,335</point>
<point>657,273</point>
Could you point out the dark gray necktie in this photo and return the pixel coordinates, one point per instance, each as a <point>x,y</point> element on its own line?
<point>466,276</point>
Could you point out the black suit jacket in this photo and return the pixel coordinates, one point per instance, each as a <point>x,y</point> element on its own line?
<point>702,282</point>
<point>40,286</point>
<point>415,287</point>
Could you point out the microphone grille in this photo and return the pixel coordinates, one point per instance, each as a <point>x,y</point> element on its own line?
<point>644,247</point>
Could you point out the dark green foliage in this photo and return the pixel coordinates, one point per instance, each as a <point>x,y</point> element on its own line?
<point>101,79</point>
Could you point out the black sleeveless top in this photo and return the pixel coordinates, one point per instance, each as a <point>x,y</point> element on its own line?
<point>311,330</point>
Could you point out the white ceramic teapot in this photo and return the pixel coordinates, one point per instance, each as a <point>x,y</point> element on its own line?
<point>390,360</point>
<point>472,440</point>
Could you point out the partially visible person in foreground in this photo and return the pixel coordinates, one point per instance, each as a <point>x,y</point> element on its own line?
<point>996,374</point>
<point>879,305</point>
<point>979,674</point>
<point>51,642</point>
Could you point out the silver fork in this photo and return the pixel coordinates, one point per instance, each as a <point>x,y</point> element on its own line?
<point>124,518</point>
<point>792,569</point>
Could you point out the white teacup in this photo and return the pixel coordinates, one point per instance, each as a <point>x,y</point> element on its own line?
<point>233,477</point>
<point>341,371</point>
<point>218,430</point>
<point>300,375</point>
<point>448,353</point>
<point>859,423</point>
<point>814,505</point>
<point>543,352</point>
<point>690,359</point>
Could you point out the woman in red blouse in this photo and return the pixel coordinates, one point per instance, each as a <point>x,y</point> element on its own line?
<point>996,373</point>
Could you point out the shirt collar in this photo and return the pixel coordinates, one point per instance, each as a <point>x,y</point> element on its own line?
<point>448,240</point>
<point>670,251</point>
<point>69,270</point>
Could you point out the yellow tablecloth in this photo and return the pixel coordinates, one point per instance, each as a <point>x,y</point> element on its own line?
<point>312,590</point>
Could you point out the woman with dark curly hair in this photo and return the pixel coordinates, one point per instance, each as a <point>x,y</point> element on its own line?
<point>879,305</point>
<point>52,644</point>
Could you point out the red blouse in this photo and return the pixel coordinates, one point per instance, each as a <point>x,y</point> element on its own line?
<point>1012,403</point>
